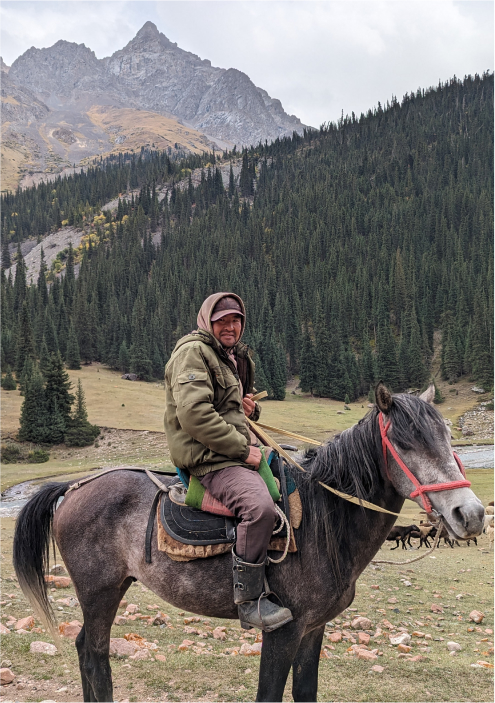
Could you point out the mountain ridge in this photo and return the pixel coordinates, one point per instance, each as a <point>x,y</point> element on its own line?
<point>150,73</point>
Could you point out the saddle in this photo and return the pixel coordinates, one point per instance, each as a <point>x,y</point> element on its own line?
<point>186,533</point>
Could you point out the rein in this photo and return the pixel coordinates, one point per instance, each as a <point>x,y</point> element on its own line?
<point>420,489</point>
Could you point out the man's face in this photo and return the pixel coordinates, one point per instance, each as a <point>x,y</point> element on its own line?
<point>227,329</point>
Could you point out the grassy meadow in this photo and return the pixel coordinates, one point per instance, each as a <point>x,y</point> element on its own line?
<point>131,415</point>
<point>459,579</point>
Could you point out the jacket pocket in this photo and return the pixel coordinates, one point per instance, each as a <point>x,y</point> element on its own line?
<point>193,387</point>
<point>226,378</point>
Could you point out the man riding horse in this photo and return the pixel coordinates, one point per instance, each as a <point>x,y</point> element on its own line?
<point>208,392</point>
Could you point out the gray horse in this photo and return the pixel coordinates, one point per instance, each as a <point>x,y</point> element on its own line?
<point>100,532</point>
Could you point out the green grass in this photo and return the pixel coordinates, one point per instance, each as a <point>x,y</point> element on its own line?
<point>219,676</point>
<point>222,677</point>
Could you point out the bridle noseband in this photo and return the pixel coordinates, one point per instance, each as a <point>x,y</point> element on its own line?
<point>420,490</point>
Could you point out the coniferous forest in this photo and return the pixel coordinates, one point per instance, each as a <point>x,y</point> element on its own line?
<point>351,246</point>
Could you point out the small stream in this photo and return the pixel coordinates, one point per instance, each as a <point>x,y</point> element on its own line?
<point>13,499</point>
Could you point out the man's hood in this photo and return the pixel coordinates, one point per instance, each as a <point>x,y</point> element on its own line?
<point>206,310</point>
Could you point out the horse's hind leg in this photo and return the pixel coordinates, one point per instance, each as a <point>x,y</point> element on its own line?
<point>305,666</point>
<point>93,642</point>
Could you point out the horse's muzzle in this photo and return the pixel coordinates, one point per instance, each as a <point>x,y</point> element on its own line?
<point>464,518</point>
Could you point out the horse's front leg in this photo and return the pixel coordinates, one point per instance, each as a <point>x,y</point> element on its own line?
<point>277,655</point>
<point>305,666</point>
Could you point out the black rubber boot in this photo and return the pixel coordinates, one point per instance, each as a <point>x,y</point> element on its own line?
<point>251,596</point>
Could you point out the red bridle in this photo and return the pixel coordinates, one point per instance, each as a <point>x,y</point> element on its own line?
<point>420,490</point>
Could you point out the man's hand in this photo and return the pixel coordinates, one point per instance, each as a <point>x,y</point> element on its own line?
<point>254,457</point>
<point>248,405</point>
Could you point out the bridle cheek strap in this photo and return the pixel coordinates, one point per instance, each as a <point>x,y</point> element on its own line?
<point>420,490</point>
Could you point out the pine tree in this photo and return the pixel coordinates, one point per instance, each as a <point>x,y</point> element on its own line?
<point>158,365</point>
<point>124,358</point>
<point>56,424</point>
<point>6,260</point>
<point>307,378</point>
<point>140,356</point>
<point>81,432</point>
<point>45,360</point>
<point>25,340</point>
<point>388,368</point>
<point>34,422</point>
<point>482,350</point>
<point>8,382</point>
<point>57,389</point>
<point>72,357</point>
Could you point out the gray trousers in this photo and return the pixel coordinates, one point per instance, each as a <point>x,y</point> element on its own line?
<point>244,492</point>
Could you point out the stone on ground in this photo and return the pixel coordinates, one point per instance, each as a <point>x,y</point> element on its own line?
<point>43,648</point>
<point>6,676</point>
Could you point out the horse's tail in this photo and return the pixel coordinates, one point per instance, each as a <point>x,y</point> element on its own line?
<point>32,549</point>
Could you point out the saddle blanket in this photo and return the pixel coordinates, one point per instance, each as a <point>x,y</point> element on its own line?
<point>186,533</point>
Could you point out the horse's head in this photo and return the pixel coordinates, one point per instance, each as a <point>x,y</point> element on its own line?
<point>418,456</point>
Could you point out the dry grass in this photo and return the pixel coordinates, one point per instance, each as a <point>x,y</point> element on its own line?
<point>12,160</point>
<point>144,128</point>
<point>220,676</point>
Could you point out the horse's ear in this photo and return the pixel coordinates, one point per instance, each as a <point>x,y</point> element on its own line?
<point>383,397</point>
<point>428,394</point>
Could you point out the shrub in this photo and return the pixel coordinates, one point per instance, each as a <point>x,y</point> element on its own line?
<point>10,453</point>
<point>489,406</point>
<point>8,382</point>
<point>438,396</point>
<point>81,436</point>
<point>38,456</point>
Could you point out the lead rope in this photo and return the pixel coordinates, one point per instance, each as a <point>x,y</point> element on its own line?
<point>283,522</point>
<point>410,561</point>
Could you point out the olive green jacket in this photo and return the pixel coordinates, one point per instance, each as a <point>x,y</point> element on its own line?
<point>204,418</point>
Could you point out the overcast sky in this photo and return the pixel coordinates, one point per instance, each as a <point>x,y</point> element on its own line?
<point>318,57</point>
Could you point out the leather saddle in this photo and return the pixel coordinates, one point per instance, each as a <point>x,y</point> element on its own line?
<point>196,527</point>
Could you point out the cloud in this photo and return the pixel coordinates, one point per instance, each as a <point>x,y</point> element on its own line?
<point>317,57</point>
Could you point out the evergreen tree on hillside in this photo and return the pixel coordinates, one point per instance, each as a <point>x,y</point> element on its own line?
<point>81,432</point>
<point>140,354</point>
<point>25,340</point>
<point>124,358</point>
<point>8,382</point>
<point>73,357</point>
<point>482,345</point>
<point>34,420</point>
<point>307,379</point>
<point>388,367</point>
<point>6,260</point>
<point>57,390</point>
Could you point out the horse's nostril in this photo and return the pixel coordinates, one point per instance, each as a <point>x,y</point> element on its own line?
<point>469,516</point>
<point>459,515</point>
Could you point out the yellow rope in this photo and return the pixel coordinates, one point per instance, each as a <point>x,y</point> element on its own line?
<point>352,499</point>
<point>301,437</point>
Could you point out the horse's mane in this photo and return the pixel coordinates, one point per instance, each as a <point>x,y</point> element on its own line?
<point>351,463</point>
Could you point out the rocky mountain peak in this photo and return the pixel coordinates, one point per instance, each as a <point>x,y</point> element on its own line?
<point>152,73</point>
<point>3,66</point>
<point>148,29</point>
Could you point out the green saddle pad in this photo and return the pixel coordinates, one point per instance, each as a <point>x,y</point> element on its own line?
<point>196,490</point>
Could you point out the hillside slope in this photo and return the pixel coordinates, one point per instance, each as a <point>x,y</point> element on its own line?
<point>351,246</point>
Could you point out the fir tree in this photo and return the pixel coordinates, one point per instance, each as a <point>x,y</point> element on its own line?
<point>57,389</point>
<point>25,340</point>
<point>6,260</point>
<point>81,432</point>
<point>34,422</point>
<point>307,364</point>
<point>72,357</point>
<point>8,382</point>
<point>124,358</point>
